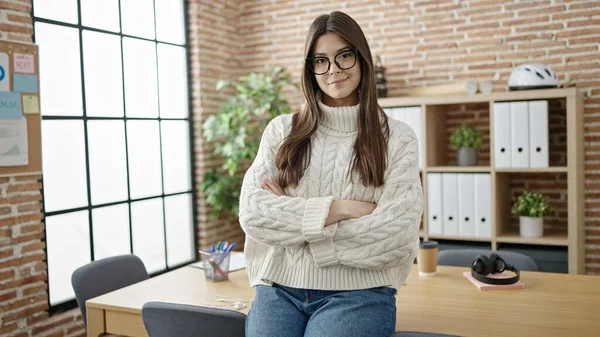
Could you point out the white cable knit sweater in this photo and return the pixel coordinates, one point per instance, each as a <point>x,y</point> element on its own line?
<point>286,240</point>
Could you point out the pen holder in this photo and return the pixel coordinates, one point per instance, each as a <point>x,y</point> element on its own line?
<point>215,265</point>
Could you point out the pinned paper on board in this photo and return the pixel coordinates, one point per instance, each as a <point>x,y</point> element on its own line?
<point>31,104</point>
<point>24,63</point>
<point>10,105</point>
<point>13,142</point>
<point>25,83</point>
<point>4,72</point>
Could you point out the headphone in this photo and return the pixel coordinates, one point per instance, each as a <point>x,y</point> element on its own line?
<point>482,266</point>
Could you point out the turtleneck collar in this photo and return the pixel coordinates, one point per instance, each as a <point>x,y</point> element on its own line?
<point>338,121</point>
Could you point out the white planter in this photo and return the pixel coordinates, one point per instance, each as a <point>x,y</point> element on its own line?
<point>531,227</point>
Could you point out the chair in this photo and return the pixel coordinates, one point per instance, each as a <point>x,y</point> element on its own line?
<point>181,320</point>
<point>419,334</point>
<point>103,276</point>
<point>465,257</point>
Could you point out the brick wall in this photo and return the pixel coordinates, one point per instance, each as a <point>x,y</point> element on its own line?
<point>23,276</point>
<point>215,54</point>
<point>430,42</point>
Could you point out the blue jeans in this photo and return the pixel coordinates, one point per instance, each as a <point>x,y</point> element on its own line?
<point>290,312</point>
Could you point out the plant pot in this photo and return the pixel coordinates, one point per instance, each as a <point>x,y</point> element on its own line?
<point>531,227</point>
<point>466,156</point>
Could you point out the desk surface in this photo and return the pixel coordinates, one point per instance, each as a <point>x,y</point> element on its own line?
<point>550,305</point>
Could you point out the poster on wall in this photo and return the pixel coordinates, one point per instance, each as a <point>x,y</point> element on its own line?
<point>4,72</point>
<point>13,142</point>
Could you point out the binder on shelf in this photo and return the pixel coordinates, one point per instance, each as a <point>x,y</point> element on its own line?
<point>434,204</point>
<point>502,135</point>
<point>466,204</point>
<point>483,205</point>
<point>412,117</point>
<point>538,133</point>
<point>519,134</point>
<point>450,203</point>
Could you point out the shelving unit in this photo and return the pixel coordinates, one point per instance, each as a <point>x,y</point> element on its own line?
<point>437,113</point>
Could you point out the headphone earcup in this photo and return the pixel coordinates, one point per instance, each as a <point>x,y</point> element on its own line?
<point>482,265</point>
<point>497,263</point>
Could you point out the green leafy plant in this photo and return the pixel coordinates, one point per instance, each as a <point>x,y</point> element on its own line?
<point>531,204</point>
<point>466,136</point>
<point>235,132</point>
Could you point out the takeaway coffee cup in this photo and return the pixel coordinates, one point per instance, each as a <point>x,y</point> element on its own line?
<point>427,258</point>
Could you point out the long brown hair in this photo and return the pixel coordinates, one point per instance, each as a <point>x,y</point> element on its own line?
<point>370,148</point>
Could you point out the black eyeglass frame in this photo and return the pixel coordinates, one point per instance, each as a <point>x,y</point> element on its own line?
<point>309,61</point>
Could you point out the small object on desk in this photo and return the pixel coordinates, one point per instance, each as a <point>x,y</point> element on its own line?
<point>216,265</point>
<point>237,262</point>
<point>485,286</point>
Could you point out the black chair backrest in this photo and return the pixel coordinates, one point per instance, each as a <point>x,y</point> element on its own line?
<point>181,320</point>
<point>103,276</point>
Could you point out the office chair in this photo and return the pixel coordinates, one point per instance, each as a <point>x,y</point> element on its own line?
<point>181,320</point>
<point>465,257</point>
<point>103,276</point>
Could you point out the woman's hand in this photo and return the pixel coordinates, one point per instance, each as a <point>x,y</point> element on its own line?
<point>273,187</point>
<point>356,209</point>
<point>339,209</point>
<point>348,209</point>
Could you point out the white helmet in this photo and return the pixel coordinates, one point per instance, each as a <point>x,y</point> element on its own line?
<point>532,76</point>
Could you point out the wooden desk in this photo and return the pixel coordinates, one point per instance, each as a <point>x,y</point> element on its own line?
<point>550,305</point>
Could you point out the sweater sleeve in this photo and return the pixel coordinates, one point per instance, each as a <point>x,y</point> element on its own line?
<point>278,220</point>
<point>389,236</point>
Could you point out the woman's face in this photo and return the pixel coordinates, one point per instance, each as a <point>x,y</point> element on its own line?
<point>339,85</point>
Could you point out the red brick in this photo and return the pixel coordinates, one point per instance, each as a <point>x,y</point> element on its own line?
<point>7,274</point>
<point>7,328</point>
<point>24,281</point>
<point>40,317</point>
<point>19,18</point>
<point>33,178</point>
<point>4,253</point>
<point>29,207</point>
<point>8,221</point>
<point>24,187</point>
<point>38,235</point>
<point>5,210</point>
<point>582,23</point>
<point>15,7</point>
<point>16,28</point>
<point>8,296</point>
<point>53,323</point>
<point>37,299</point>
<point>32,247</point>
<point>526,21</point>
<point>40,288</point>
<point>5,232</point>
<point>17,199</point>
<point>15,315</point>
<point>578,32</point>
<point>575,14</point>
<point>19,261</point>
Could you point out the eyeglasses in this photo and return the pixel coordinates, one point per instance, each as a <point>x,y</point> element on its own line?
<point>345,60</point>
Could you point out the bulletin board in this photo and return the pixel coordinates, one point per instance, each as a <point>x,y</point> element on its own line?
<point>20,118</point>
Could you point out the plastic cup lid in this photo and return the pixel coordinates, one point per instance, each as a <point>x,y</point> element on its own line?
<point>428,244</point>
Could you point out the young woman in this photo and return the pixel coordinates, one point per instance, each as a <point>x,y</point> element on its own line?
<point>332,204</point>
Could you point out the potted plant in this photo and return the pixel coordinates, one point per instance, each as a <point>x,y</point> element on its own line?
<point>466,140</point>
<point>235,133</point>
<point>531,207</point>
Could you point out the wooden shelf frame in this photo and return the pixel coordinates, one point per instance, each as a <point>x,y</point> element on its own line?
<point>433,148</point>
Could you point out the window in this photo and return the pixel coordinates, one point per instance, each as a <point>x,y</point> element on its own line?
<point>116,135</point>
